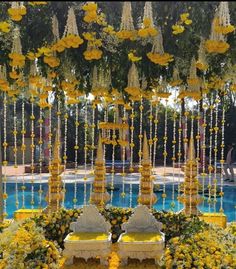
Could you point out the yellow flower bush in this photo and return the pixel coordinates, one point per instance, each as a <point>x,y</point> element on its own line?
<point>24,246</point>
<point>211,248</point>
<point>4,27</point>
<point>16,14</point>
<point>215,46</point>
<point>161,59</point>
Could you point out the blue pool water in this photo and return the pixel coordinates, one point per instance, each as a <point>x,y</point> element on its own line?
<point>229,202</point>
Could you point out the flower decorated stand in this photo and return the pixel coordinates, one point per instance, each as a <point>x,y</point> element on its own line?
<point>142,238</point>
<point>90,237</point>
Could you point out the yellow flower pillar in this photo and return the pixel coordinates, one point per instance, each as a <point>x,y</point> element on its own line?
<point>190,198</point>
<point>147,196</point>
<point>55,186</point>
<point>99,196</point>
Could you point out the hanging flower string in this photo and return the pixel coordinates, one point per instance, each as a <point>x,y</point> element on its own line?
<point>76,147</point>
<point>131,169</point>
<point>66,116</point>
<point>40,154</point>
<point>5,144</point>
<point>32,117</point>
<point>58,149</point>
<point>222,153</point>
<point>198,117</point>
<point>179,152</point>
<point>150,133</point>
<point>85,150</point>
<point>165,155</point>
<point>123,154</point>
<point>155,139</point>
<point>23,148</point>
<point>216,129</point>
<point>191,171</point>
<point>140,139</point>
<point>210,167</point>
<point>50,151</point>
<point>204,174</point>
<point>15,150</point>
<point>113,155</point>
<point>173,157</point>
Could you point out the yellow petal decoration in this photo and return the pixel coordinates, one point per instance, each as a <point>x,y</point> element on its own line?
<point>39,3</point>
<point>51,61</point>
<point>133,58</point>
<point>177,29</point>
<point>4,27</point>
<point>16,13</point>
<point>125,34</point>
<point>93,54</point>
<point>215,46</point>
<point>161,59</point>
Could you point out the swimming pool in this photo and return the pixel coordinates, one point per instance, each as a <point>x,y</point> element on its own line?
<point>229,202</point>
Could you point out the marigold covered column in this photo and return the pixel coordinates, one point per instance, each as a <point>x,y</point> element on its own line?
<point>99,196</point>
<point>55,186</point>
<point>190,198</point>
<point>146,197</point>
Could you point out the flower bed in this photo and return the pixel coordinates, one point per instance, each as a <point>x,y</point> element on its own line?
<point>37,242</point>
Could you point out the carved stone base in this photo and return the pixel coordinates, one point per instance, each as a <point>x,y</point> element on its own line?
<point>141,251</point>
<point>87,249</point>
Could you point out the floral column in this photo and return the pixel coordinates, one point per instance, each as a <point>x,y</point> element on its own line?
<point>99,196</point>
<point>190,198</point>
<point>55,187</point>
<point>146,197</point>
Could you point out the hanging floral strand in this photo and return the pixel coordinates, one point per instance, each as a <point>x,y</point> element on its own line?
<point>15,150</point>
<point>32,117</point>
<point>85,150</point>
<point>5,144</point>
<point>179,152</point>
<point>165,155</point>
<point>150,132</point>
<point>40,153</point>
<point>113,154</point>
<point>58,148</point>
<point>210,167</point>
<point>23,148</point>
<point>131,169</point>
<point>76,147</point>
<point>216,129</point>
<point>123,155</point>
<point>198,117</point>
<point>204,174</point>
<point>191,170</point>
<point>155,139</point>
<point>66,116</point>
<point>173,157</point>
<point>222,153</point>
